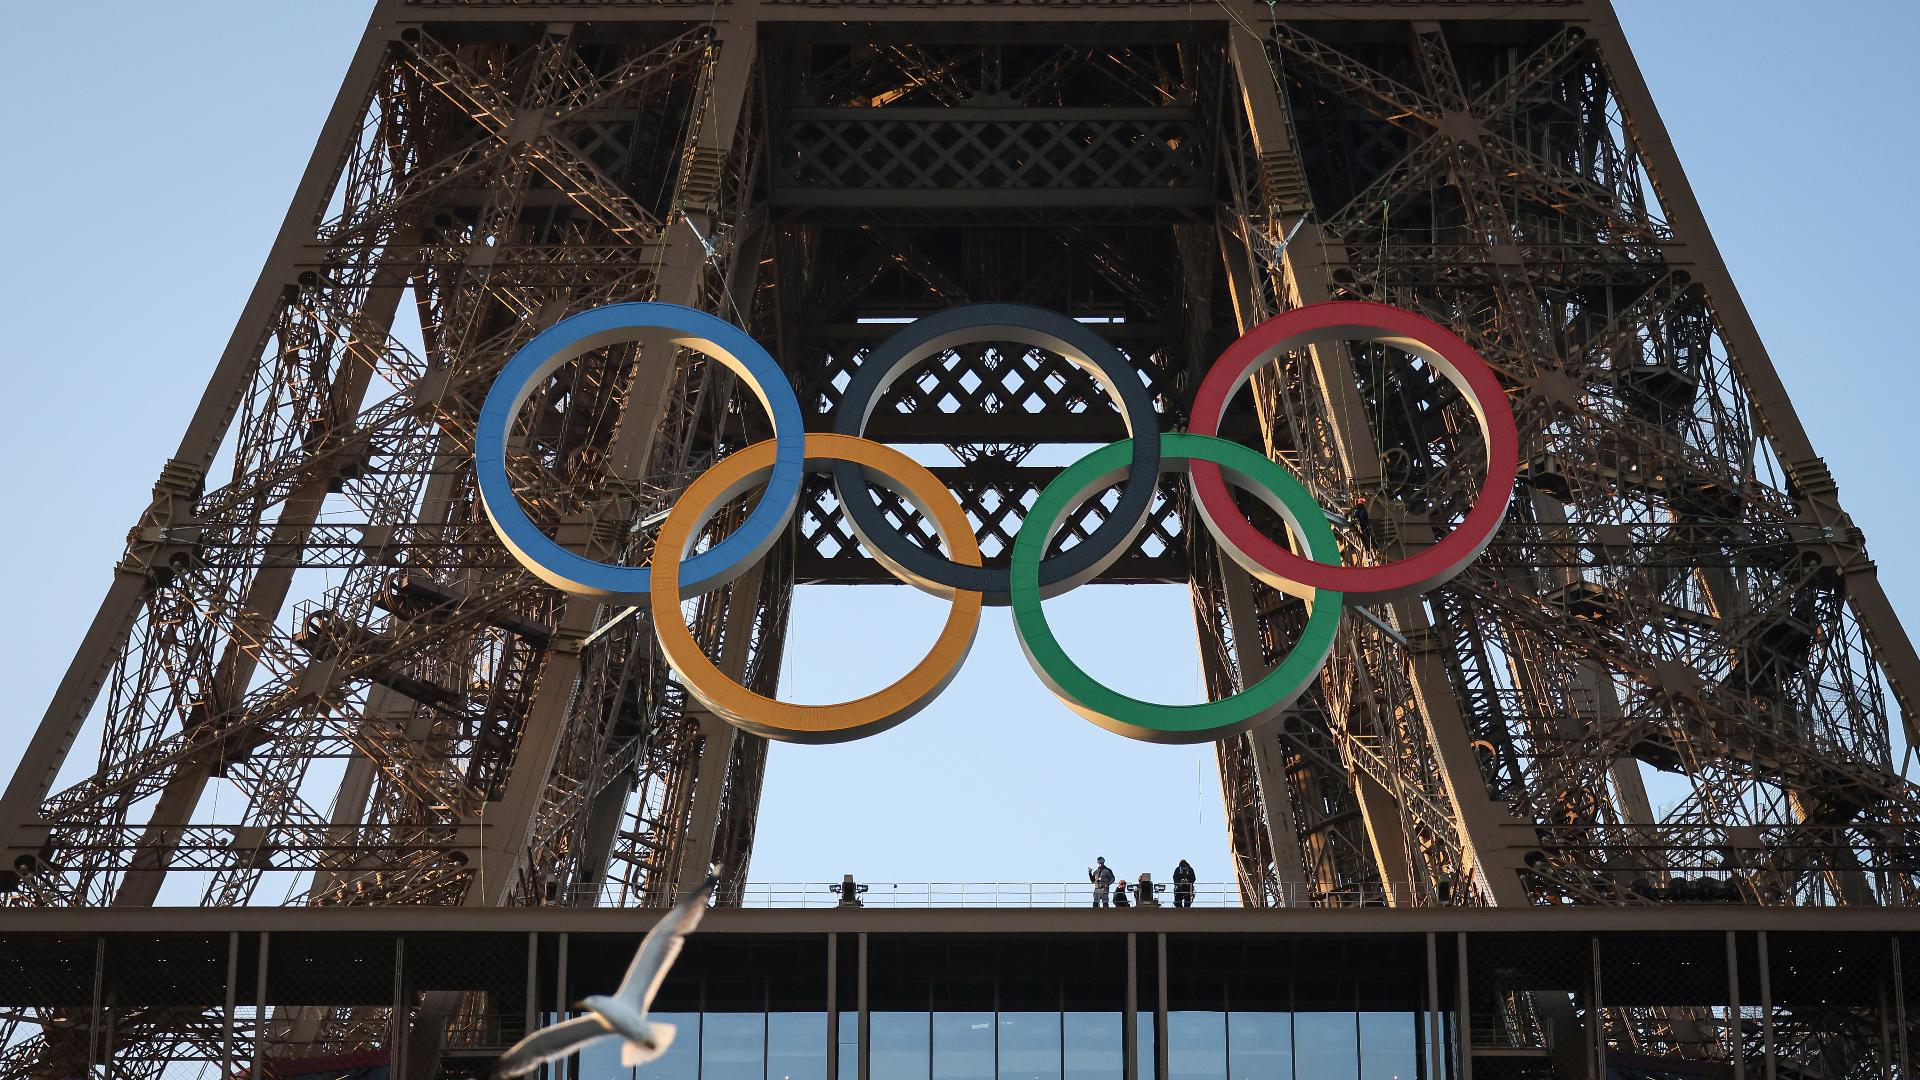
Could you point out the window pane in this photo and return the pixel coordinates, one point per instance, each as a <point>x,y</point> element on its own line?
<point>1029,1046</point>
<point>1095,1046</point>
<point>797,1046</point>
<point>1325,1045</point>
<point>1197,1045</point>
<point>733,1046</point>
<point>680,1062</point>
<point>849,1046</point>
<point>963,1046</point>
<point>602,1059</point>
<point>1389,1046</point>
<point>1260,1045</point>
<point>899,1045</point>
<point>1145,1035</point>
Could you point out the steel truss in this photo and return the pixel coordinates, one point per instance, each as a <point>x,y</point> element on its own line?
<point>318,679</point>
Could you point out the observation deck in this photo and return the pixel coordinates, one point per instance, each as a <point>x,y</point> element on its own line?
<point>1005,980</point>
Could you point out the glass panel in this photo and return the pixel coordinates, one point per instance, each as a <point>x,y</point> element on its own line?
<point>680,1062</point>
<point>900,1047</point>
<point>849,1046</point>
<point>1389,1046</point>
<point>1326,1045</point>
<point>602,1059</point>
<point>1095,1046</point>
<point>797,1046</point>
<point>962,1046</point>
<point>733,1046</point>
<point>1145,1035</point>
<point>1030,1046</point>
<point>1197,1045</point>
<point>1260,1046</point>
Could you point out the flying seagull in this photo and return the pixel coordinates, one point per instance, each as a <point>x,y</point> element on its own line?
<point>622,1016</point>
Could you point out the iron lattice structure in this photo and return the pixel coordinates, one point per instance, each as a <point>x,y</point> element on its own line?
<point>318,679</point>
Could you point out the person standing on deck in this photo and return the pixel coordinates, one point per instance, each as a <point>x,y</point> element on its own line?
<point>1183,878</point>
<point>1102,878</point>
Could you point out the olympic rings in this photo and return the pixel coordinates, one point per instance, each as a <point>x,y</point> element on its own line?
<point>1029,326</point>
<point>1366,321</point>
<point>1315,574</point>
<point>1132,717</point>
<point>577,335</point>
<point>811,723</point>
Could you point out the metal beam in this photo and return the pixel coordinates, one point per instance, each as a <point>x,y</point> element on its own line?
<point>517,921</point>
<point>21,832</point>
<point>921,13</point>
<point>1819,497</point>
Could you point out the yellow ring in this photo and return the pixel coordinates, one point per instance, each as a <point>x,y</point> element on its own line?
<point>848,720</point>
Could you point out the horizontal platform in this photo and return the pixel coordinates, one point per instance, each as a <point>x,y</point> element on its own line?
<point>1424,994</point>
<point>1677,918</point>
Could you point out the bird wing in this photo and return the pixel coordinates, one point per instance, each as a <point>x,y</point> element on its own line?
<point>549,1044</point>
<point>662,946</point>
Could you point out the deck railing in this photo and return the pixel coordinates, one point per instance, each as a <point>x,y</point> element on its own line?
<point>1054,894</point>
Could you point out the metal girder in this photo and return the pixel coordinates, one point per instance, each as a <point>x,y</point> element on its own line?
<point>1806,471</point>
<point>883,12</point>
<point>181,481</point>
<point>1353,440</point>
<point>1677,590</point>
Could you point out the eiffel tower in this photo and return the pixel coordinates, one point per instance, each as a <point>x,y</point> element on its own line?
<point>1677,597</point>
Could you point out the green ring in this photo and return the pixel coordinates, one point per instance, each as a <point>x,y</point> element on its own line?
<point>1146,720</point>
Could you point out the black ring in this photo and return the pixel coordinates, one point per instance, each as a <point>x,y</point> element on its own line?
<point>1039,328</point>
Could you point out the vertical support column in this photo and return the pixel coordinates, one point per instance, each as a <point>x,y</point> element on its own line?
<point>531,1011</point>
<point>833,1006</point>
<point>233,991</point>
<point>1478,817</point>
<point>866,1015</point>
<point>1130,1019</point>
<point>995,1022</point>
<point>714,798</point>
<point>1435,1067</point>
<point>1597,1057</point>
<point>603,824</point>
<point>93,1018</point>
<point>1899,1011</point>
<point>716,751</point>
<point>397,1046</point>
<point>1283,832</point>
<point>1734,1048</point>
<point>682,270</point>
<point>261,1025</point>
<point>1886,1037</point>
<point>113,1020</point>
<point>1386,837</point>
<point>1060,1010</point>
<point>1766,1007</point>
<point>1463,1026</point>
<point>1379,810</point>
<point>1160,1067</point>
<point>562,1003</point>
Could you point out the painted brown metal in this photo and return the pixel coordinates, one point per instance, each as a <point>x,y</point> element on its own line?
<point>1678,591</point>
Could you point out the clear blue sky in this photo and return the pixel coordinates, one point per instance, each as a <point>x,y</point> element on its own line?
<point>152,154</point>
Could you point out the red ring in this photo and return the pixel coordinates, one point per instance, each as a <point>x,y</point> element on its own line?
<point>1359,320</point>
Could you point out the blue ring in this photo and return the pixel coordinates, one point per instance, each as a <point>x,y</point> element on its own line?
<point>579,334</point>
